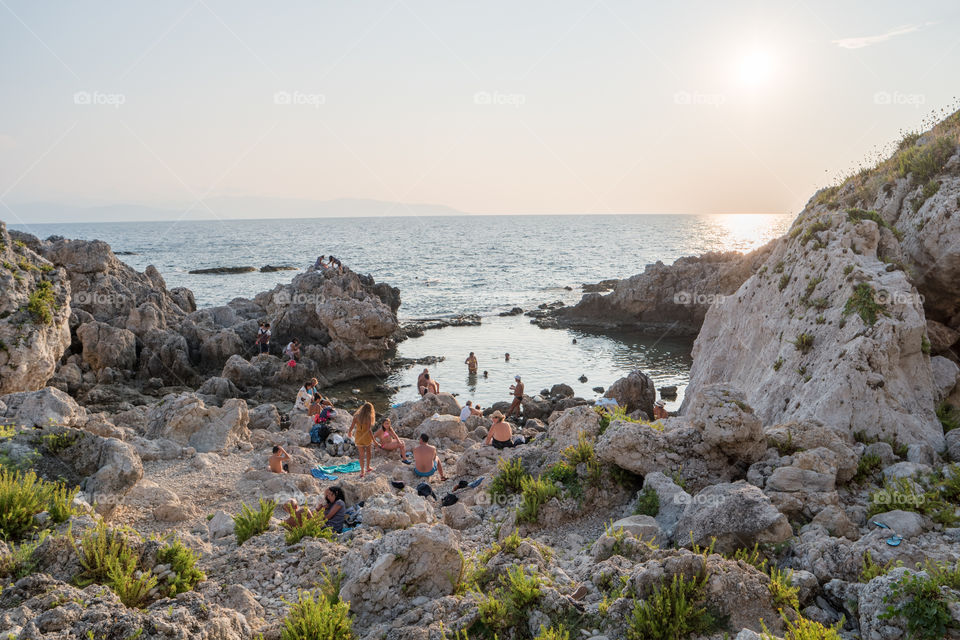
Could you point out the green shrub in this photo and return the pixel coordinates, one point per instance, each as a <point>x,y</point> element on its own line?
<point>131,586</point>
<point>23,496</point>
<point>249,523</point>
<point>949,416</point>
<point>558,632</point>
<point>19,562</point>
<point>924,608</point>
<point>609,415</point>
<point>925,345</point>
<point>508,605</point>
<point>929,190</point>
<point>803,342</point>
<point>863,302</point>
<point>314,617</point>
<point>783,593</point>
<point>870,569</point>
<point>674,610</point>
<point>42,303</point>
<point>813,229</point>
<point>106,557</point>
<point>183,563</point>
<point>868,464</point>
<point>312,526</point>
<point>784,281</point>
<point>777,364</point>
<point>509,478</point>
<point>648,503</point>
<point>583,453</point>
<point>922,163</point>
<point>534,493</point>
<point>803,629</point>
<point>54,443</point>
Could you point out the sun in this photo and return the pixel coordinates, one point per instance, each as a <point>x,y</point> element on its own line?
<point>755,67</point>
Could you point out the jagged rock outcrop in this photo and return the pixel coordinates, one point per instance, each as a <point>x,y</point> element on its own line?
<point>34,316</point>
<point>825,332</point>
<point>186,420</point>
<point>635,392</point>
<point>670,299</point>
<point>41,408</point>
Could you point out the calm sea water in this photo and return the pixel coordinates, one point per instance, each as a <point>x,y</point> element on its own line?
<point>451,265</point>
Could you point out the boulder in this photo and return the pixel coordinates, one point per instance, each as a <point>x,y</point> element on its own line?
<point>673,501</point>
<point>561,391</point>
<point>410,415</point>
<point>907,524</point>
<point>42,408</point>
<point>444,426</point>
<point>941,337</point>
<point>218,389</point>
<point>112,468</point>
<point>219,526</point>
<point>105,346</point>
<point>644,527</point>
<point>397,511</point>
<point>727,422</point>
<point>266,417</point>
<point>422,561</point>
<point>186,420</point>
<point>737,514</point>
<point>946,374</point>
<point>241,373</point>
<point>635,392</point>
<point>459,516</point>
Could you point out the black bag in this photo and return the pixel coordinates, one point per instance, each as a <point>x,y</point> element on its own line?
<point>448,500</point>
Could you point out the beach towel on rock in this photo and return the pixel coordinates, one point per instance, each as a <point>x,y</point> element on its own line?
<point>350,467</point>
<point>320,475</point>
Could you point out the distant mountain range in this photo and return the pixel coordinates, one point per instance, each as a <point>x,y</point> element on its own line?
<point>224,208</point>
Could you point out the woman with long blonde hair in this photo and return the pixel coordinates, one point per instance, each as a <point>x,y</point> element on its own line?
<point>363,421</point>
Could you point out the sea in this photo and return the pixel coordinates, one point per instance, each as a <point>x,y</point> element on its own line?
<point>446,266</point>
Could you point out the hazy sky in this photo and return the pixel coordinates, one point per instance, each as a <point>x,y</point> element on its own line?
<point>489,107</point>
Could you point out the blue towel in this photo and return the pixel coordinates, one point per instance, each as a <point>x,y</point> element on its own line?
<point>350,467</point>
<point>320,475</point>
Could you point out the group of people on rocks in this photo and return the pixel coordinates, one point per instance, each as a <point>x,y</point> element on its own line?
<point>333,263</point>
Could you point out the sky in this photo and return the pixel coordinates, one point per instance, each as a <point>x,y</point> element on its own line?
<point>540,106</point>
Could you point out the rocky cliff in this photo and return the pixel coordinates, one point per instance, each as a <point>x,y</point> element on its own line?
<point>835,324</point>
<point>34,314</point>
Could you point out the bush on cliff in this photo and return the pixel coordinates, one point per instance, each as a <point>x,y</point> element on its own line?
<point>23,496</point>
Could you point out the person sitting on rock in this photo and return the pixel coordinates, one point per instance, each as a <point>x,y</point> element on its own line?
<point>517,389</point>
<point>659,410</point>
<point>263,337</point>
<point>422,380</point>
<point>467,411</point>
<point>297,514</point>
<point>292,350</point>
<point>388,440</point>
<point>363,421</point>
<point>278,461</point>
<point>305,395</point>
<point>335,508</point>
<point>471,363</point>
<point>430,385</point>
<point>426,462</point>
<point>500,434</point>
<point>320,263</point>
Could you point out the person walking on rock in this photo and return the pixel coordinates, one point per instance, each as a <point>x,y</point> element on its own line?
<point>362,423</point>
<point>517,389</point>
<point>263,337</point>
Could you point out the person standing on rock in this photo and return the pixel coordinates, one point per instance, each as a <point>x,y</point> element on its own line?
<point>422,380</point>
<point>517,389</point>
<point>263,337</point>
<point>426,462</point>
<point>362,423</point>
<point>471,363</point>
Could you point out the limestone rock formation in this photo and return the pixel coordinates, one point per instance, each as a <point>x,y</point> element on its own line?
<point>671,299</point>
<point>186,420</point>
<point>34,316</point>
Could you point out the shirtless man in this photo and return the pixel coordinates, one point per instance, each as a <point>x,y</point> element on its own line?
<point>278,461</point>
<point>388,440</point>
<point>471,363</point>
<point>425,459</point>
<point>517,389</point>
<point>429,385</point>
<point>500,434</point>
<point>422,380</point>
